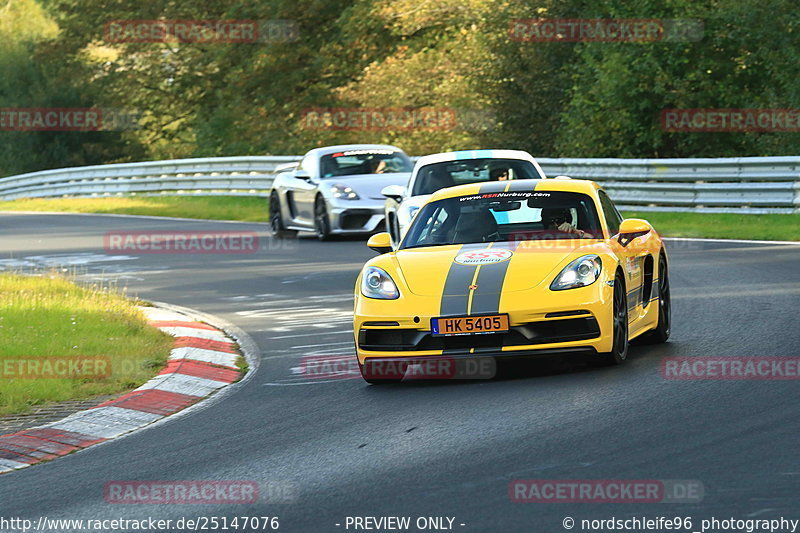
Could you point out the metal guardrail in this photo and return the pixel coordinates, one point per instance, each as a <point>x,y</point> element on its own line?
<point>247,175</point>
<point>734,185</point>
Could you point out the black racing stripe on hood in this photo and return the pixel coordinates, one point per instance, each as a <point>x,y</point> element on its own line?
<point>490,283</point>
<point>490,280</point>
<point>492,277</point>
<point>455,294</point>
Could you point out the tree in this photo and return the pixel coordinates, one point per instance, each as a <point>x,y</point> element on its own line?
<point>748,57</point>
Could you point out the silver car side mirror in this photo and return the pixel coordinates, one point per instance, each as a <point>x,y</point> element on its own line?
<point>394,192</point>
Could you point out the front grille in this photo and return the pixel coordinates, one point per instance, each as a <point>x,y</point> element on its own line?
<point>545,332</point>
<point>354,218</point>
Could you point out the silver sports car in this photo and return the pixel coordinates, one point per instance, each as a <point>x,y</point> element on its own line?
<point>336,190</point>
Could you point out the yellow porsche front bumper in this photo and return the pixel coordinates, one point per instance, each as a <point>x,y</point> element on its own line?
<point>541,322</point>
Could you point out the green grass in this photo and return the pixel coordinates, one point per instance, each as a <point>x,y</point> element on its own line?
<point>724,226</point>
<point>246,209</point>
<point>43,317</point>
<point>250,209</point>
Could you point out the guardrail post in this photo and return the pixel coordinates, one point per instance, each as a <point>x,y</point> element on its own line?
<point>797,197</point>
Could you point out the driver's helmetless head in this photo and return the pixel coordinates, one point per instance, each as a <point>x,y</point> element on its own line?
<point>499,174</point>
<point>499,171</point>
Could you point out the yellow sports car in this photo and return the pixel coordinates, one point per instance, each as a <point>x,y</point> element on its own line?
<point>511,269</point>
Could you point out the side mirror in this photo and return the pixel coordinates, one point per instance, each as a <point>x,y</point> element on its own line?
<point>380,242</point>
<point>394,192</point>
<point>302,175</point>
<point>630,228</point>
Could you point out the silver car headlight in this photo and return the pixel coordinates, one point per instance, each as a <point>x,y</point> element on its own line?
<point>581,272</point>
<point>376,283</point>
<point>343,192</point>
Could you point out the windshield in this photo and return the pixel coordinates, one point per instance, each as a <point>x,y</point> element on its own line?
<point>507,216</point>
<point>351,162</point>
<point>435,176</point>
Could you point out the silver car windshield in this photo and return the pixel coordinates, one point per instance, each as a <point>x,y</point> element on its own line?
<point>510,216</point>
<point>353,162</point>
<point>435,176</point>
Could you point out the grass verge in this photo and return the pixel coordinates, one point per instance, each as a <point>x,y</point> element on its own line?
<point>724,226</point>
<point>48,323</point>
<point>242,208</point>
<point>250,209</point>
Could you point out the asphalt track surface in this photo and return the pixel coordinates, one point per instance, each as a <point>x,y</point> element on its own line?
<point>441,449</point>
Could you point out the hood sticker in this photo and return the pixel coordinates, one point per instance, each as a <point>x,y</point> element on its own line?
<point>486,256</point>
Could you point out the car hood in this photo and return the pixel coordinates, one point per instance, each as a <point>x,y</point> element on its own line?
<point>416,201</point>
<point>508,266</point>
<point>371,185</point>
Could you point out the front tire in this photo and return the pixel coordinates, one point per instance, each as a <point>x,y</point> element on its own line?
<point>619,349</point>
<point>276,219</point>
<point>322,222</point>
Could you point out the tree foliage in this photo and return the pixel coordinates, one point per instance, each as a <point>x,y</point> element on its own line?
<point>569,99</point>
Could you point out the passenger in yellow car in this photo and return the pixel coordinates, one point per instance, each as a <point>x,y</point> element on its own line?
<point>556,218</point>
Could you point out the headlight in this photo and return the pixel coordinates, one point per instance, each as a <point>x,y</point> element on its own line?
<point>579,273</point>
<point>343,192</point>
<point>376,283</point>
